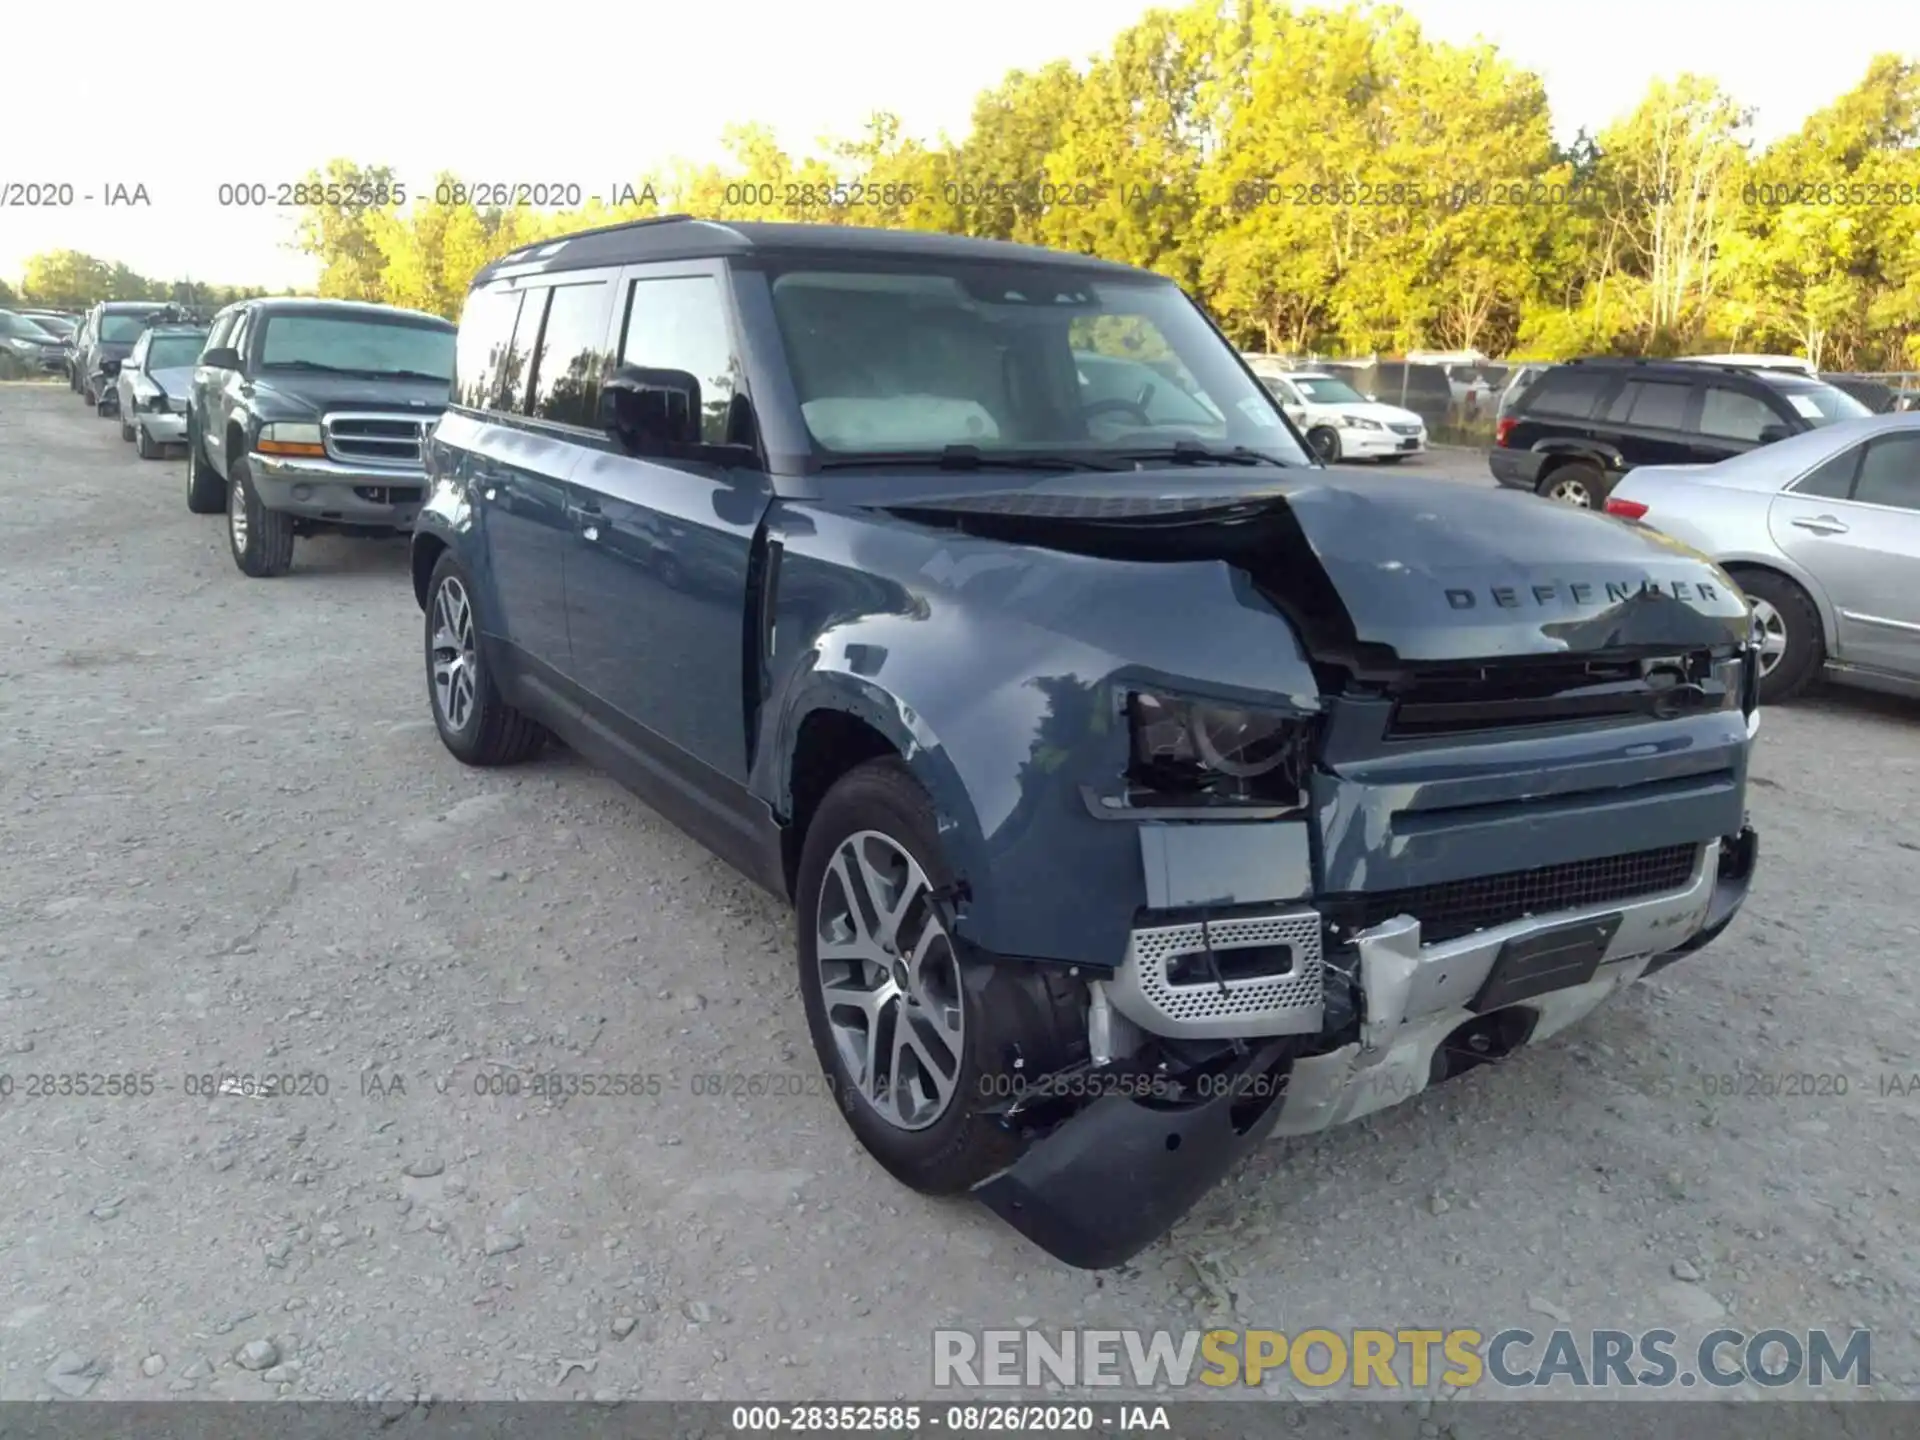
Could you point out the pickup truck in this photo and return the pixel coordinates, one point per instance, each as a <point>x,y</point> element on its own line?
<point>1143,788</point>
<point>308,416</point>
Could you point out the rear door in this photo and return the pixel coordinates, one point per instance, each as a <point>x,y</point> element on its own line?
<point>518,479</point>
<point>1650,421</point>
<point>1854,525</point>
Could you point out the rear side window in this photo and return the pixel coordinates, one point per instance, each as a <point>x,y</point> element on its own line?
<point>517,369</point>
<point>1659,406</point>
<point>1890,473</point>
<point>479,352</point>
<point>1735,415</point>
<point>1832,479</point>
<point>1572,393</point>
<point>573,352</point>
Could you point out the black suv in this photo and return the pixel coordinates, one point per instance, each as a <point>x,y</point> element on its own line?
<point>109,333</point>
<point>308,416</point>
<point>1580,426</point>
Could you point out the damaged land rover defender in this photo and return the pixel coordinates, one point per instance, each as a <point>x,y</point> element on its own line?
<point>1143,789</point>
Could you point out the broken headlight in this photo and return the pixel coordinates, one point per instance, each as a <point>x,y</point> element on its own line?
<point>1199,752</point>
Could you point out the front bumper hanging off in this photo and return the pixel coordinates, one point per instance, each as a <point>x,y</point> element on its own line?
<point>1106,1182</point>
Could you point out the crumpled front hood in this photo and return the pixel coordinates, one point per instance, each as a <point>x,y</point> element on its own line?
<point>1425,570</point>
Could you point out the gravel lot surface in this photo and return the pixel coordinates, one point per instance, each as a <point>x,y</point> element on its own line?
<point>231,841</point>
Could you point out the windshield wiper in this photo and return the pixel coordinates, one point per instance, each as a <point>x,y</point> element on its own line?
<point>1192,452</point>
<point>308,365</point>
<point>972,457</point>
<point>314,366</point>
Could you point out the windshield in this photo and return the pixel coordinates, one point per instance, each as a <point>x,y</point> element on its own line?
<point>122,327</point>
<point>1818,404</point>
<point>1012,361</point>
<point>174,352</point>
<point>357,346</point>
<point>21,327</point>
<point>1327,392</point>
<point>56,325</point>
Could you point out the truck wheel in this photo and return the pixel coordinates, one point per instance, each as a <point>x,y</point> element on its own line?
<point>1325,441</point>
<point>475,724</point>
<point>261,539</point>
<point>126,432</point>
<point>206,487</point>
<point>911,1035</point>
<point>1578,483</point>
<point>1792,648</point>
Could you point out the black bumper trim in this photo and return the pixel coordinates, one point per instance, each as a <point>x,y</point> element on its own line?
<point>1730,889</point>
<point>1113,1178</point>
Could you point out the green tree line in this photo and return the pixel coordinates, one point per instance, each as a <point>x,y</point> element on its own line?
<point>71,280</point>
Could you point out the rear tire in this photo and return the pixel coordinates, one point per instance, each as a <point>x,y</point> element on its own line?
<point>206,486</point>
<point>143,445</point>
<point>126,432</point>
<point>261,539</point>
<point>1793,646</point>
<point>1578,483</point>
<point>475,724</point>
<point>967,1016</point>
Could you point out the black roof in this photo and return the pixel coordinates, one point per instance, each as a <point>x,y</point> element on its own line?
<point>683,237</point>
<point>121,307</point>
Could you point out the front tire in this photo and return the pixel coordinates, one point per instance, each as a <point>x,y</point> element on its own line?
<point>911,1034</point>
<point>143,445</point>
<point>475,724</point>
<point>261,539</point>
<point>206,487</point>
<point>1325,441</point>
<point>126,432</point>
<point>1792,645</point>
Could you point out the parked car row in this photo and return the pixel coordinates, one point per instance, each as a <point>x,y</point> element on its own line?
<point>34,342</point>
<point>1143,787</point>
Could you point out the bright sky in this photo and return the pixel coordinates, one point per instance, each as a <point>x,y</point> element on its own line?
<point>180,100</point>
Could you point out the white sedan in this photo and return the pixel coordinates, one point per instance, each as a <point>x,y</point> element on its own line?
<point>1341,423</point>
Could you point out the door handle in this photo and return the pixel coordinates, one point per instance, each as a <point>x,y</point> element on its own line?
<point>590,532</point>
<point>1821,525</point>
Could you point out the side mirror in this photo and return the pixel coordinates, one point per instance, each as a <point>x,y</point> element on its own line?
<point>1771,433</point>
<point>650,412</point>
<point>221,357</point>
<point>109,367</point>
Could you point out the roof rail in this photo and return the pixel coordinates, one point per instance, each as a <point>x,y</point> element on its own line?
<point>529,249</point>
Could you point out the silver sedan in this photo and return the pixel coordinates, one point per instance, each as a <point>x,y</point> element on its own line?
<point>1822,532</point>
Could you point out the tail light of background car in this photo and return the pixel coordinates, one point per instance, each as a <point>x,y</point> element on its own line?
<point>1625,509</point>
<point>1503,429</point>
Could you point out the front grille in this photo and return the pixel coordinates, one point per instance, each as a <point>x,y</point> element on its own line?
<point>1455,699</point>
<point>1158,986</point>
<point>1459,907</point>
<point>1404,429</point>
<point>357,439</point>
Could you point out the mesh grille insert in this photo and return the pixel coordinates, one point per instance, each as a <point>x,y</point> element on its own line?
<point>1459,907</point>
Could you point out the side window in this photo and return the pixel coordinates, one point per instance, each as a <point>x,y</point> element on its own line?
<point>1658,406</point>
<point>1735,415</point>
<point>516,369</point>
<point>242,327</point>
<point>1890,473</point>
<point>1621,406</point>
<point>573,353</point>
<point>137,357</point>
<point>1832,479</point>
<point>680,324</point>
<point>480,351</point>
<point>218,335</point>
<point>1568,392</point>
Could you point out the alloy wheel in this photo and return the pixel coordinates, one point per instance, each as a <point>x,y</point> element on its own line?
<point>1571,492</point>
<point>453,654</point>
<point>890,981</point>
<point>1773,635</point>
